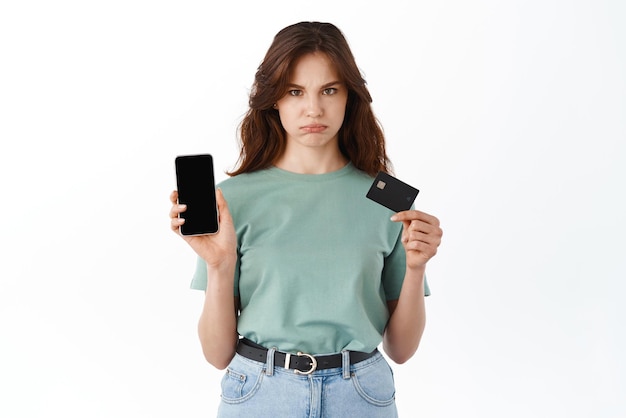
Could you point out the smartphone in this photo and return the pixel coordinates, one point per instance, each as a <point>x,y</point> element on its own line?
<point>195,181</point>
<point>392,193</point>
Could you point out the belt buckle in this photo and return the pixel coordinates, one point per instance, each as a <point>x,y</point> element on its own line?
<point>313,364</point>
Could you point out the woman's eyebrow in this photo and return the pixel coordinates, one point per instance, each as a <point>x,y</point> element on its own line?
<point>325,86</point>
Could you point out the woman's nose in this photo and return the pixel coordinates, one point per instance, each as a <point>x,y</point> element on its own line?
<point>314,108</point>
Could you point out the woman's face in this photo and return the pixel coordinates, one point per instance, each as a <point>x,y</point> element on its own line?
<point>313,109</point>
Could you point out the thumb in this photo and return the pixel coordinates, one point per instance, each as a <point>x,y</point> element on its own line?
<point>222,207</point>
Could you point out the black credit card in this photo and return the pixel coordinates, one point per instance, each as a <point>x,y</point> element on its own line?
<point>392,193</point>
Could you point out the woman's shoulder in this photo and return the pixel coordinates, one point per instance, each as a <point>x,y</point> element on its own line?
<point>240,180</point>
<point>244,186</point>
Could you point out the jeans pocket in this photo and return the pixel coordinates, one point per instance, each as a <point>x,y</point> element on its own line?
<point>375,383</point>
<point>240,382</point>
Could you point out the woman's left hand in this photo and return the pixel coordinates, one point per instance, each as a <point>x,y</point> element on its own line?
<point>421,236</point>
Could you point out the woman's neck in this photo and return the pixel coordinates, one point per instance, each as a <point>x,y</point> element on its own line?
<point>312,162</point>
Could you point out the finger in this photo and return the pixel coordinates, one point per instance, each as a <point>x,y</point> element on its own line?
<point>421,242</point>
<point>222,206</point>
<point>174,197</point>
<point>421,237</point>
<point>175,223</point>
<point>421,226</point>
<point>426,250</point>
<point>412,215</point>
<point>177,210</point>
<point>415,215</point>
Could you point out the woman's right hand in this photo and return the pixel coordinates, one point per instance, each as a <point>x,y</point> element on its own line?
<point>218,250</point>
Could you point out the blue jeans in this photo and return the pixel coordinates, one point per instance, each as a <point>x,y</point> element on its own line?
<point>262,390</point>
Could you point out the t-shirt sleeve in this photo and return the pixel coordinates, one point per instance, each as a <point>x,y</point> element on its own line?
<point>199,279</point>
<point>394,270</point>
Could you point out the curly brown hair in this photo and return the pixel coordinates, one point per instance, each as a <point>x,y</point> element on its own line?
<point>262,136</point>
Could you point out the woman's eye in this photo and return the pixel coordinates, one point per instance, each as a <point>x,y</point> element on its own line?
<point>329,91</point>
<point>295,92</point>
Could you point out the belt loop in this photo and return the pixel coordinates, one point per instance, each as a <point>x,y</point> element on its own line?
<point>269,368</point>
<point>345,363</point>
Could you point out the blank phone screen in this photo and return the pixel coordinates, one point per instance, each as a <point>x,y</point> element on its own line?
<point>196,189</point>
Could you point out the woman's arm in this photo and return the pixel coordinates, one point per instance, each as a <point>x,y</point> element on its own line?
<point>421,236</point>
<point>217,326</point>
<point>407,319</point>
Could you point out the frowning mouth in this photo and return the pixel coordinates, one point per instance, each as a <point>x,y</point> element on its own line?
<point>314,128</point>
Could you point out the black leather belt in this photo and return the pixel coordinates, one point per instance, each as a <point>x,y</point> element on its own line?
<point>301,363</point>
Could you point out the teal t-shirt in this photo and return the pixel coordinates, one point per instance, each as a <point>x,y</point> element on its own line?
<point>317,260</point>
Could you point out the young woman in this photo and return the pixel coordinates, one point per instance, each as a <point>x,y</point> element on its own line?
<point>306,276</point>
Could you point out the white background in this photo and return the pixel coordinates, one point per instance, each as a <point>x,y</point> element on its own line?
<point>509,116</point>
